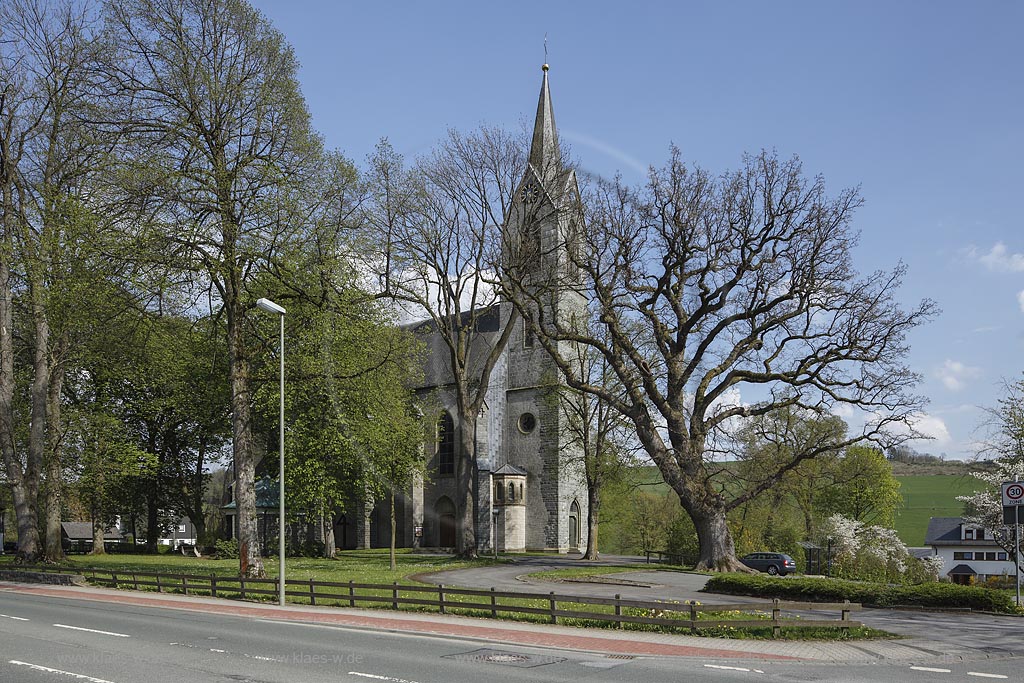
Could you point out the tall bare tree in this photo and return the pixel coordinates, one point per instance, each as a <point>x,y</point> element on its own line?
<point>221,144</point>
<point>439,229</point>
<point>708,287</point>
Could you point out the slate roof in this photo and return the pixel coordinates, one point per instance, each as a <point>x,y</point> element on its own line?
<point>510,469</point>
<point>946,531</point>
<point>943,531</point>
<point>961,570</point>
<point>82,531</point>
<point>920,553</point>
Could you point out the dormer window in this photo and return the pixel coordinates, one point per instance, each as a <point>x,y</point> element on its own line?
<point>968,534</point>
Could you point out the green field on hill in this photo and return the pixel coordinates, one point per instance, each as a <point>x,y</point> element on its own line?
<point>924,496</point>
<point>930,495</point>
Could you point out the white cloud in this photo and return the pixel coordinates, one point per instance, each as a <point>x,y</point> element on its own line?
<point>932,427</point>
<point>954,374</point>
<point>843,410</point>
<point>998,259</point>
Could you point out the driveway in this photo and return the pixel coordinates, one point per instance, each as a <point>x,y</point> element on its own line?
<point>989,634</point>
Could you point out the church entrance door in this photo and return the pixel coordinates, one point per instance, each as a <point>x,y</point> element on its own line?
<point>447,539</point>
<point>574,525</point>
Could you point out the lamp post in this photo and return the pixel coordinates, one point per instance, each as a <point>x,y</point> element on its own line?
<point>270,307</point>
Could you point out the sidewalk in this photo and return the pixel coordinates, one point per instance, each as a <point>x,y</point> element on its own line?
<point>609,642</point>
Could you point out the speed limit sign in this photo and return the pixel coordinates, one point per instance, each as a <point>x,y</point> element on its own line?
<point>1013,493</point>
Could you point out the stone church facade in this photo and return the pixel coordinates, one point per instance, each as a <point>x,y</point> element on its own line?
<point>530,492</point>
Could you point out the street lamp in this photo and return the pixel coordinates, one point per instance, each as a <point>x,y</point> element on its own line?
<point>270,307</point>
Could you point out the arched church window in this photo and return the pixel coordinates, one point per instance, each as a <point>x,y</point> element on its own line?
<point>446,445</point>
<point>520,492</point>
<point>511,492</point>
<point>499,492</point>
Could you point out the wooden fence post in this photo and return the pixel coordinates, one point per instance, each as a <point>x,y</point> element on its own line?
<point>618,611</point>
<point>159,587</point>
<point>312,592</point>
<point>553,606</point>
<point>776,613</point>
<point>113,580</point>
<point>241,586</point>
<point>846,616</point>
<point>135,580</point>
<point>394,595</point>
<point>351,593</point>
<point>693,617</point>
<point>440,597</point>
<point>213,585</point>
<point>184,584</point>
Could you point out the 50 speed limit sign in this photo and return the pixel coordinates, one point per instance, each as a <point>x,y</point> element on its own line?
<point>1013,493</point>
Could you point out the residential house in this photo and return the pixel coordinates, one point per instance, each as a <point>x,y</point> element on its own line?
<point>968,551</point>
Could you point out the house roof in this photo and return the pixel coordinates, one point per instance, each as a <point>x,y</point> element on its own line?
<point>82,531</point>
<point>961,570</point>
<point>920,553</point>
<point>946,531</point>
<point>266,495</point>
<point>943,531</point>
<point>507,469</point>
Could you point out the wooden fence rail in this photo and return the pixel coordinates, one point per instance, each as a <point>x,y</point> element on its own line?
<point>551,605</point>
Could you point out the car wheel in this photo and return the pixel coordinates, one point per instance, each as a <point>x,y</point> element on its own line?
<point>773,570</point>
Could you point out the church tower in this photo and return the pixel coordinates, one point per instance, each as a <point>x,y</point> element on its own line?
<point>541,234</point>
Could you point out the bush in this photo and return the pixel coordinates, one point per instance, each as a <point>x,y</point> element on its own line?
<point>873,594</point>
<point>227,550</point>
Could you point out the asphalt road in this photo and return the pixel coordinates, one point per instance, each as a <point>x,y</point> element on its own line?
<point>48,639</point>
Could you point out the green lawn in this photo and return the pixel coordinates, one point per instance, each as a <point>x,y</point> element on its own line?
<point>927,496</point>
<point>361,566</point>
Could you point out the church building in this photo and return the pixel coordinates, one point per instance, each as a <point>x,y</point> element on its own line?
<point>530,492</point>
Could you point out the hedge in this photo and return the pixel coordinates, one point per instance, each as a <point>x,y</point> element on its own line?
<point>872,594</point>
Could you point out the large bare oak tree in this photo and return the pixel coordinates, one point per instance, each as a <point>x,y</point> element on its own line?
<point>724,298</point>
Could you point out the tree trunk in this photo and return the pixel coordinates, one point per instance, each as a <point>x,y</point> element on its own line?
<point>152,522</point>
<point>593,507</point>
<point>393,527</point>
<point>54,465</point>
<point>327,524</point>
<point>249,558</point>
<point>466,477</point>
<point>98,531</point>
<point>717,551</point>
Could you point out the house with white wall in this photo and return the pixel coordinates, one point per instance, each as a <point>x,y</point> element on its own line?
<point>968,551</point>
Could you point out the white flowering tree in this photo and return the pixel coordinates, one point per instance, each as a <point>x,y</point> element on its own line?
<point>873,553</point>
<point>1004,444</point>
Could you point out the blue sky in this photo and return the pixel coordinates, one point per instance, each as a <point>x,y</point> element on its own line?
<point>919,103</point>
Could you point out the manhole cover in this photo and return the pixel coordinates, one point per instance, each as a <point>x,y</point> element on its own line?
<point>489,656</point>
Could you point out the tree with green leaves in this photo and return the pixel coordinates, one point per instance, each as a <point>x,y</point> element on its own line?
<point>220,149</point>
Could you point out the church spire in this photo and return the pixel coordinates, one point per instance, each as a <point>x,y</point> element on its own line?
<point>545,156</point>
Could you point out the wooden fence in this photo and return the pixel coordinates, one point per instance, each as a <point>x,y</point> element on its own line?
<point>550,606</point>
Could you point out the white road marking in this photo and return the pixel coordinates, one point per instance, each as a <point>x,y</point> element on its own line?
<point>46,669</point>
<point>8,616</point>
<point>727,668</point>
<point>980,675</point>
<point>262,659</point>
<point>92,630</point>
<point>930,669</point>
<point>213,649</point>
<point>379,678</point>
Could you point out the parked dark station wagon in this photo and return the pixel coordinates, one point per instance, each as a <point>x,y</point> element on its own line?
<point>776,564</point>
